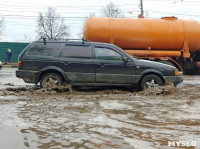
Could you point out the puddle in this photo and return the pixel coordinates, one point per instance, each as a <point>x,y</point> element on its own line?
<point>99,118</point>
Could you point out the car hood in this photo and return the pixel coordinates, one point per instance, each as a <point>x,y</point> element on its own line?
<point>152,64</point>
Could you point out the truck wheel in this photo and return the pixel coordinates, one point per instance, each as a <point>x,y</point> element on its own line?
<point>150,81</point>
<point>51,80</point>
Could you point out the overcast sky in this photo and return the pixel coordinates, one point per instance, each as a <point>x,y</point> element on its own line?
<point>21,15</point>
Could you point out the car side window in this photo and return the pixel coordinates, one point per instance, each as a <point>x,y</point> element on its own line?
<point>76,51</point>
<point>107,54</point>
<point>40,49</point>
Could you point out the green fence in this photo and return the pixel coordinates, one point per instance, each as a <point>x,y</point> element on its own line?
<point>15,47</point>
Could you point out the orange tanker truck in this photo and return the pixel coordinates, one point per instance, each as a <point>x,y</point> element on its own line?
<point>168,40</point>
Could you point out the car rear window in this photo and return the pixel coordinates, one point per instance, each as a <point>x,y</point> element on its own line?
<point>76,51</point>
<point>40,49</point>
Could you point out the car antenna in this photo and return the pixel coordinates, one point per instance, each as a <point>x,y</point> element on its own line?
<point>83,40</point>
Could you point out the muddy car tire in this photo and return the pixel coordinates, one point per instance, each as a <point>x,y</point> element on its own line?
<point>150,81</point>
<point>51,80</point>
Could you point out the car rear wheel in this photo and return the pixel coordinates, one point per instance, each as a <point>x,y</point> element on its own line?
<point>51,80</point>
<point>151,81</point>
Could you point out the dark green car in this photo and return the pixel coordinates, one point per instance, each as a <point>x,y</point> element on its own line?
<point>51,63</point>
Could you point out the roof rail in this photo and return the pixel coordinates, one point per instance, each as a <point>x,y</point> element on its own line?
<point>72,39</point>
<point>82,39</point>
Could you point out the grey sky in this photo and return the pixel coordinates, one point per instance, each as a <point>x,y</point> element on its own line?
<point>20,15</point>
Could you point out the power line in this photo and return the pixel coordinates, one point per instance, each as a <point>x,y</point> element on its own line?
<point>66,11</point>
<point>161,12</point>
<point>32,25</point>
<point>163,0</point>
<point>37,16</point>
<point>81,6</point>
<point>190,1</point>
<point>164,5</point>
<point>57,10</point>
<point>60,10</point>
<point>79,17</point>
<point>34,21</point>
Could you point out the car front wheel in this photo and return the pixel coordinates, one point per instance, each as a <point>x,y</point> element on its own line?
<point>151,81</point>
<point>51,80</point>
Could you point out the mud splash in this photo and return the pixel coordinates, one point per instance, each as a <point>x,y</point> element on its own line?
<point>169,92</point>
<point>161,90</point>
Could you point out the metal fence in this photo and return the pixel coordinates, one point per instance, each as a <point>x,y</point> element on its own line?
<point>15,47</point>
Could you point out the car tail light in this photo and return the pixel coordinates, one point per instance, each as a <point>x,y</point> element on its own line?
<point>19,63</point>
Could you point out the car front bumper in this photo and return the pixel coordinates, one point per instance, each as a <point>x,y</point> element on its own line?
<point>28,76</point>
<point>173,79</point>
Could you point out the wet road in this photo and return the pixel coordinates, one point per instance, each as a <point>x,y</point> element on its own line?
<point>34,118</point>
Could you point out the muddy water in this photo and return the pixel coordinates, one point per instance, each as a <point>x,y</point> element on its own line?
<point>35,118</point>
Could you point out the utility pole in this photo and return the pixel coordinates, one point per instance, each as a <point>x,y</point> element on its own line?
<point>141,5</point>
<point>141,15</point>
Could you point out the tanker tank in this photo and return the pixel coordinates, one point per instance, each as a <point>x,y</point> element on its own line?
<point>164,37</point>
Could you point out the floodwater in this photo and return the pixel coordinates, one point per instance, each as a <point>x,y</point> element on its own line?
<point>103,118</point>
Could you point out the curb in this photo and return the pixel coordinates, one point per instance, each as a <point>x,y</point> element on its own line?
<point>10,65</point>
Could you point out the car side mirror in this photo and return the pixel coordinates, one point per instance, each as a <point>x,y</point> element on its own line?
<point>125,59</point>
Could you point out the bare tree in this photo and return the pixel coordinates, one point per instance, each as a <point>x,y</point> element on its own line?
<point>1,26</point>
<point>80,33</point>
<point>112,10</point>
<point>52,26</point>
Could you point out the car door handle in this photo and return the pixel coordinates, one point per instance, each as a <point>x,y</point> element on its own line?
<point>65,63</point>
<point>102,65</point>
